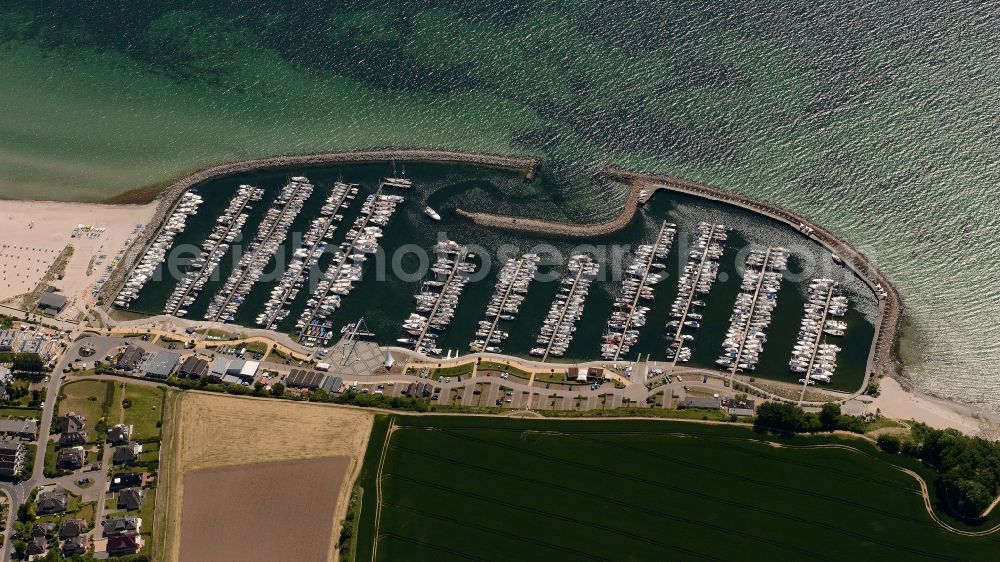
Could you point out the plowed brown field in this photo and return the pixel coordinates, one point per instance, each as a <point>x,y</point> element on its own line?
<point>261,512</point>
<point>211,431</point>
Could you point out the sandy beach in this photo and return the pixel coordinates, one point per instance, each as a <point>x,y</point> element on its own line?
<point>897,402</point>
<point>34,233</point>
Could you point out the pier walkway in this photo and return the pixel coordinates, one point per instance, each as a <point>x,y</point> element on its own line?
<point>562,314</point>
<point>642,283</point>
<point>459,260</point>
<point>815,346</point>
<point>506,297</point>
<point>753,307</point>
<point>691,294</point>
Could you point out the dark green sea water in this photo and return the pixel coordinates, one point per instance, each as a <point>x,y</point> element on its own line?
<point>878,119</point>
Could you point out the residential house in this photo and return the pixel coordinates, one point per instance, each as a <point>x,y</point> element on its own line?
<point>51,502</point>
<point>194,368</point>
<point>130,358</point>
<point>71,429</point>
<point>75,545</point>
<point>122,525</point>
<point>37,546</point>
<point>162,365</point>
<point>11,458</point>
<point>119,434</point>
<point>71,528</point>
<point>120,545</point>
<point>131,498</point>
<point>126,454</point>
<point>124,480</point>
<point>41,529</point>
<point>72,458</point>
<point>25,429</point>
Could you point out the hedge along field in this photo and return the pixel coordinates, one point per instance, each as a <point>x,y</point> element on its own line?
<point>495,489</point>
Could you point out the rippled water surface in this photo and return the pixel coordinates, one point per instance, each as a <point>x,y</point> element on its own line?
<point>878,119</point>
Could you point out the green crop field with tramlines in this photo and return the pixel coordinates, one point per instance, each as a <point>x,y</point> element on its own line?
<point>447,488</point>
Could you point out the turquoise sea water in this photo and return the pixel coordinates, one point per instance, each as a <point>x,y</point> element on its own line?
<point>877,119</point>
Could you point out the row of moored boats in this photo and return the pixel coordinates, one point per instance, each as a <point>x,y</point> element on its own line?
<point>813,355</point>
<point>157,252</point>
<point>307,255</point>
<point>645,271</point>
<point>315,326</point>
<point>438,298</point>
<point>513,280</point>
<point>270,235</point>
<point>228,227</point>
<point>567,308</point>
<point>751,314</point>
<point>697,278</point>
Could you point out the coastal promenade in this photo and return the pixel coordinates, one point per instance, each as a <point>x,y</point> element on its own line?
<point>171,195</point>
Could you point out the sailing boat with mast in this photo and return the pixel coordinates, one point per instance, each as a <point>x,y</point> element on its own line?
<point>398,181</point>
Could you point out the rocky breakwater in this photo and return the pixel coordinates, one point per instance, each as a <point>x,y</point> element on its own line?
<point>560,229</point>
<point>171,195</point>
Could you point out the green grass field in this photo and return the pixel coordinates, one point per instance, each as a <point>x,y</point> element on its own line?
<point>89,398</point>
<point>145,412</point>
<point>498,489</point>
<point>20,413</point>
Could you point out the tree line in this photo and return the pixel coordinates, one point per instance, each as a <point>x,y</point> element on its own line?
<point>968,468</point>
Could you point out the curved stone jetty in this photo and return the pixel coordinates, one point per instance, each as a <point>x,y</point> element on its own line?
<point>560,229</point>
